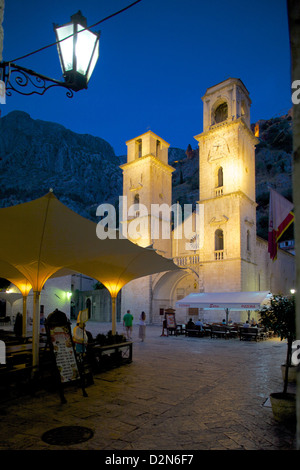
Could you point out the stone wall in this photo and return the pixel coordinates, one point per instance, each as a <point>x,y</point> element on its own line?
<point>53,295</point>
<point>98,302</point>
<point>136,297</point>
<point>277,276</point>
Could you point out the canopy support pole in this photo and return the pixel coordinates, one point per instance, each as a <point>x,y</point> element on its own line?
<point>227,314</point>
<point>113,315</point>
<point>24,316</point>
<point>36,328</point>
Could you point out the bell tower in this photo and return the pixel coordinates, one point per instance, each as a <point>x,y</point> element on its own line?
<point>227,187</point>
<point>147,183</point>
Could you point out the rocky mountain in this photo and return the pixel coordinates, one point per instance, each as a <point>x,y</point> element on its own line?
<point>274,166</point>
<point>83,170</point>
<point>35,156</point>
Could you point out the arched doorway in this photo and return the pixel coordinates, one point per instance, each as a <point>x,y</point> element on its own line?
<point>169,288</point>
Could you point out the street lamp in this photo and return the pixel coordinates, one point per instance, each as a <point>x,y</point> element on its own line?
<point>78,50</point>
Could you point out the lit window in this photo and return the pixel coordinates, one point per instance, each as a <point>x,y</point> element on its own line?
<point>219,240</point>
<point>138,148</point>
<point>248,240</point>
<point>220,177</point>
<point>221,113</point>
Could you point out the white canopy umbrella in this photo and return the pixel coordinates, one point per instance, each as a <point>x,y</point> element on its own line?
<point>43,238</point>
<point>225,300</point>
<point>11,297</point>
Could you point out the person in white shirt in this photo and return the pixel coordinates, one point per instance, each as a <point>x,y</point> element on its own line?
<point>142,326</point>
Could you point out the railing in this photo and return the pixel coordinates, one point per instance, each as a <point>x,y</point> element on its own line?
<point>219,254</point>
<point>219,191</point>
<point>187,260</point>
<point>195,259</point>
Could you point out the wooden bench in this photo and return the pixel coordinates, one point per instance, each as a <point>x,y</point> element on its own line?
<point>233,331</point>
<point>219,331</point>
<point>16,379</point>
<point>109,356</point>
<point>196,331</point>
<point>249,333</point>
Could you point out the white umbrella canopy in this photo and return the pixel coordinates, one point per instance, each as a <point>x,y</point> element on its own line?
<point>10,273</point>
<point>11,297</point>
<point>225,300</point>
<point>44,238</point>
<point>222,300</point>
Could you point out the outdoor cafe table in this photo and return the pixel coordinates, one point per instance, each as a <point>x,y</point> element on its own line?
<point>180,329</point>
<point>15,352</point>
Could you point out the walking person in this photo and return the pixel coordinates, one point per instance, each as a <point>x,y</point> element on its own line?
<point>127,322</point>
<point>142,326</point>
<point>164,327</point>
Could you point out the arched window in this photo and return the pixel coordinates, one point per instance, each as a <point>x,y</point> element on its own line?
<point>219,240</point>
<point>248,241</point>
<point>243,108</point>
<point>136,202</point>
<point>221,113</point>
<point>157,148</point>
<point>220,177</point>
<point>138,148</point>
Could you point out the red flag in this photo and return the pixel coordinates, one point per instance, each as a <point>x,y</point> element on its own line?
<point>280,218</point>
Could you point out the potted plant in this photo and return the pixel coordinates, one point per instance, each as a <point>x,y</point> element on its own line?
<point>280,317</point>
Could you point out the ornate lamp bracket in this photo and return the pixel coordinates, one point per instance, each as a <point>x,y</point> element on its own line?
<point>27,82</point>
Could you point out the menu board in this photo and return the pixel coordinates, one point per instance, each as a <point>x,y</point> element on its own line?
<point>64,353</point>
<point>171,322</point>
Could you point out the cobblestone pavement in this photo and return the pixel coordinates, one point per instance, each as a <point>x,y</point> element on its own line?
<point>179,393</point>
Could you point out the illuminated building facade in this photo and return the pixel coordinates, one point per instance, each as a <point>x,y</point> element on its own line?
<point>227,255</point>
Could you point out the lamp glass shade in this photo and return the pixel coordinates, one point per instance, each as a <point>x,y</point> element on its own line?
<point>65,46</point>
<point>86,51</point>
<point>78,50</point>
<point>93,61</point>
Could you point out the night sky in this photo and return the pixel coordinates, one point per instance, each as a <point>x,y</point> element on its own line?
<point>156,61</point>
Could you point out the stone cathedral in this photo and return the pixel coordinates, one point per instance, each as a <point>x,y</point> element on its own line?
<point>227,256</point>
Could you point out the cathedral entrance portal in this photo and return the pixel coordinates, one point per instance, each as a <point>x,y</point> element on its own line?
<point>169,288</point>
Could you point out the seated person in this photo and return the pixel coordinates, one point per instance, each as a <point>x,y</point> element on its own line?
<point>200,324</point>
<point>190,324</point>
<point>246,325</point>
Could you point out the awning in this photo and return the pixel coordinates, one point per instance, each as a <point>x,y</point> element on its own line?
<point>225,300</point>
<point>44,238</point>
